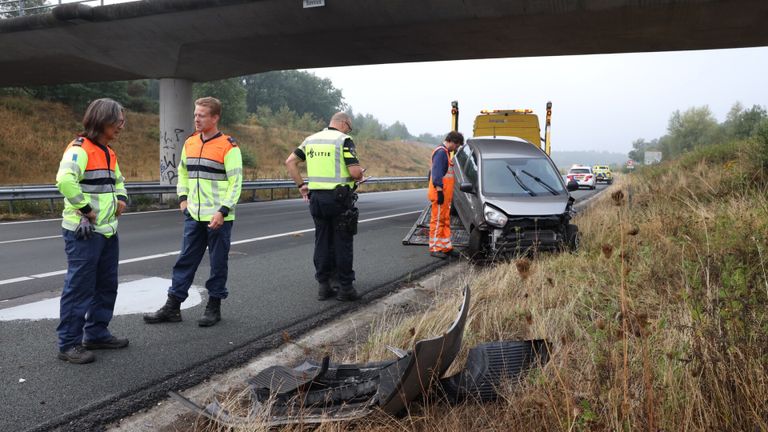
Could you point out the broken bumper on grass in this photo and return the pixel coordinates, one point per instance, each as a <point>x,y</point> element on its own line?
<point>316,392</point>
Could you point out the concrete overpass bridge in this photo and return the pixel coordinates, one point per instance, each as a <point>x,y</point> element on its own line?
<point>183,41</point>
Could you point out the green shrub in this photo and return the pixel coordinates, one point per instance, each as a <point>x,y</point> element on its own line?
<point>249,160</point>
<point>761,137</point>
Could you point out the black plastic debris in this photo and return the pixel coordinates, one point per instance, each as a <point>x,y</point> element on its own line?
<point>317,392</point>
<point>492,365</point>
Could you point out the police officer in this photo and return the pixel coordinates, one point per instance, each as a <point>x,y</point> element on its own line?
<point>209,183</point>
<point>94,197</point>
<point>440,193</point>
<point>332,169</point>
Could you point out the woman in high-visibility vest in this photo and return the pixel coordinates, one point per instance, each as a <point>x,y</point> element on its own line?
<point>94,198</point>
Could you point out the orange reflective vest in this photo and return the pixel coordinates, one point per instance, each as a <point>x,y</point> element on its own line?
<point>89,175</point>
<point>210,176</point>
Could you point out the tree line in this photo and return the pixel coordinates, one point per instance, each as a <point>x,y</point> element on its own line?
<point>11,9</point>
<point>292,99</point>
<point>697,127</point>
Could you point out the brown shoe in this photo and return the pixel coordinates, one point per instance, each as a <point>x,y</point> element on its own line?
<point>77,354</point>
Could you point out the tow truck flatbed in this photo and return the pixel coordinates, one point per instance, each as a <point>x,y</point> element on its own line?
<point>418,235</point>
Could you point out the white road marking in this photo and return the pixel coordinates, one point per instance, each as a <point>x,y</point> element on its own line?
<point>133,297</point>
<point>29,239</point>
<point>167,254</point>
<point>14,280</point>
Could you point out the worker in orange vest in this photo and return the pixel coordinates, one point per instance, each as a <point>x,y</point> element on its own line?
<point>441,194</point>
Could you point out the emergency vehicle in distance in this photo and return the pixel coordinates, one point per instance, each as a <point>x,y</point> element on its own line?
<point>583,175</point>
<point>603,173</point>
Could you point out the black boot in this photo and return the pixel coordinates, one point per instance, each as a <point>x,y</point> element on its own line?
<point>347,293</point>
<point>212,313</point>
<point>325,291</point>
<point>170,312</point>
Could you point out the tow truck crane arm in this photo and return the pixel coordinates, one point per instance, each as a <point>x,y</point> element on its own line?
<point>455,116</point>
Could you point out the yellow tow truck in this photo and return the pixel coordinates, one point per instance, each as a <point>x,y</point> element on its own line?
<point>521,123</point>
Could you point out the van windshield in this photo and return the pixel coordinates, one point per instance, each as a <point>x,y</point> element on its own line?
<point>520,177</point>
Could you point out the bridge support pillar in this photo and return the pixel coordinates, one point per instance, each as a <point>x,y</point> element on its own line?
<point>176,124</point>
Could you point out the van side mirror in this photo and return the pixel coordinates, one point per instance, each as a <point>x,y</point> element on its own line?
<point>467,187</point>
<point>572,185</point>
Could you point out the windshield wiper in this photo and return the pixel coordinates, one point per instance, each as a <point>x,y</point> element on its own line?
<point>541,182</point>
<point>520,182</point>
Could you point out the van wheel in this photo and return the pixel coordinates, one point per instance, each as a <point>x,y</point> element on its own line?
<point>573,238</point>
<point>476,249</point>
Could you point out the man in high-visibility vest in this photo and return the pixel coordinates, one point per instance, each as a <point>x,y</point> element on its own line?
<point>94,197</point>
<point>332,169</point>
<point>209,183</point>
<point>440,193</point>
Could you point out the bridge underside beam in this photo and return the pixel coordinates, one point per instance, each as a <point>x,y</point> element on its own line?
<point>200,40</point>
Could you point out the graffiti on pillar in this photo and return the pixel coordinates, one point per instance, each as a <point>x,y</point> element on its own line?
<point>168,168</point>
<point>170,142</point>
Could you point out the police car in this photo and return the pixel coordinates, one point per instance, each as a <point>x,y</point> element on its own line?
<point>583,175</point>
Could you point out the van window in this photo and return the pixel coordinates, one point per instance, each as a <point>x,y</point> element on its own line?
<point>466,160</point>
<point>534,174</point>
<point>462,155</point>
<point>470,170</point>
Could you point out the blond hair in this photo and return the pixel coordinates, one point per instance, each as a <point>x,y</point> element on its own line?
<point>213,105</point>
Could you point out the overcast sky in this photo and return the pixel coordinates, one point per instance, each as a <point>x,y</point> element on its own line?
<point>600,102</point>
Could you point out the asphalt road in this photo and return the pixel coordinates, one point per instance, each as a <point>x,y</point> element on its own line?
<point>271,290</point>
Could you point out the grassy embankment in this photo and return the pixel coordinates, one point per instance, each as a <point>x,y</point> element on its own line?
<point>659,322</point>
<point>36,133</point>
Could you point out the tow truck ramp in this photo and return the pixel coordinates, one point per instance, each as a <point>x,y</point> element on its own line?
<point>419,232</point>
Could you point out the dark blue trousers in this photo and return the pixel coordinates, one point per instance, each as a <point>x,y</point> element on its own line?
<point>90,289</point>
<point>333,247</point>
<point>197,237</point>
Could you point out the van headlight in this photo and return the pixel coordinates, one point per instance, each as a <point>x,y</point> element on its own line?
<point>494,217</point>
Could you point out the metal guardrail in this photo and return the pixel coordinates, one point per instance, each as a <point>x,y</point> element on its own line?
<point>50,192</point>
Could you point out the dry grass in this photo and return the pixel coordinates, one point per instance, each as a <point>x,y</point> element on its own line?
<point>37,132</point>
<point>659,323</point>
